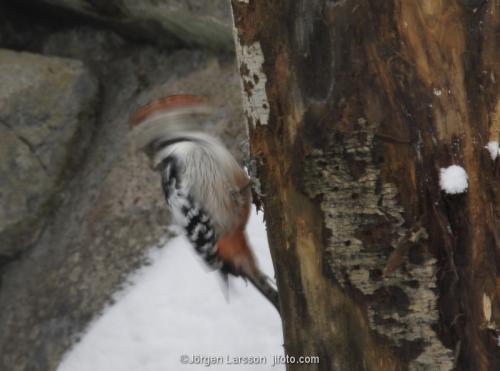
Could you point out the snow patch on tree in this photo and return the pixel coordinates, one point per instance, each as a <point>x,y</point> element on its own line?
<point>453,179</point>
<point>494,148</point>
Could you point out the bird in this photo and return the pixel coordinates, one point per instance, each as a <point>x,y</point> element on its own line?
<point>207,192</point>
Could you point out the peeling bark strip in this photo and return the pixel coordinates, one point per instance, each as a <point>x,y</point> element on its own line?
<point>367,100</point>
<point>250,60</point>
<point>403,306</point>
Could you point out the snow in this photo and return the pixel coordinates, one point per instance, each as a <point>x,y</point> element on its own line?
<point>175,307</point>
<point>494,148</point>
<point>453,179</point>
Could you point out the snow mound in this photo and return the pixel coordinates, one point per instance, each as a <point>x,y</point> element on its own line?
<point>494,148</point>
<point>176,310</point>
<point>453,179</point>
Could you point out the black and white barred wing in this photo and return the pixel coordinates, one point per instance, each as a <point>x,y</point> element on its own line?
<point>207,172</point>
<point>188,214</point>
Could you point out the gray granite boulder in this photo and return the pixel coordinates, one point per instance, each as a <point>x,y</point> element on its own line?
<point>111,209</point>
<point>165,22</point>
<point>46,105</point>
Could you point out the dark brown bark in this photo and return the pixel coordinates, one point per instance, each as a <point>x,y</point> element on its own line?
<point>353,109</point>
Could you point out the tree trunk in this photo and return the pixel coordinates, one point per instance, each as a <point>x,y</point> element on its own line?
<point>353,108</point>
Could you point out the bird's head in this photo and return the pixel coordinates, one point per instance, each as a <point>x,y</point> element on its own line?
<point>166,118</point>
<point>179,103</point>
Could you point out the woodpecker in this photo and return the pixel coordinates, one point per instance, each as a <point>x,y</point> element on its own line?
<point>207,191</point>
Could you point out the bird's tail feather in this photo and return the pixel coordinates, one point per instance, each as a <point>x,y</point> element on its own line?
<point>263,283</point>
<point>259,280</point>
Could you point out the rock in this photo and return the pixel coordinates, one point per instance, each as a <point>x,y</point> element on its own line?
<point>165,22</point>
<point>46,110</point>
<point>113,209</point>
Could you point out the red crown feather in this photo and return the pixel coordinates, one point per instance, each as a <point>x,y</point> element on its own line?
<point>164,104</point>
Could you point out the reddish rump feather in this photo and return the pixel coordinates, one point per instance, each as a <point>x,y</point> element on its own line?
<point>233,249</point>
<point>233,246</point>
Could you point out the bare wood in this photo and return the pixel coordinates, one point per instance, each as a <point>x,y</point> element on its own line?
<point>353,108</point>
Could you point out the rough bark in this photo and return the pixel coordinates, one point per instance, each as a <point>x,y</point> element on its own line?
<point>353,108</point>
